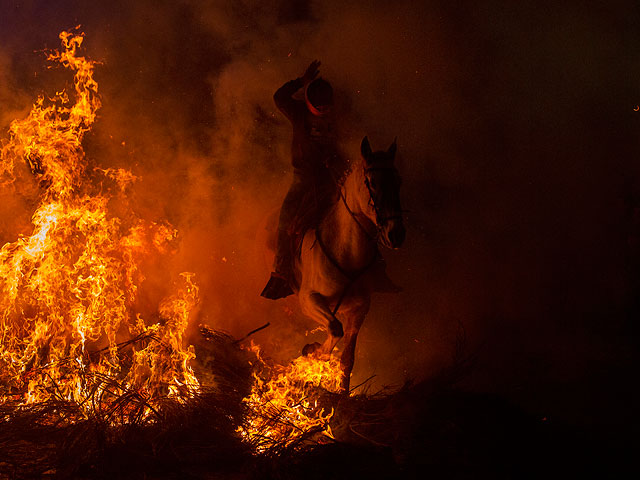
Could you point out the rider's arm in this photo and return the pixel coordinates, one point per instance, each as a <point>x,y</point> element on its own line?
<point>284,97</point>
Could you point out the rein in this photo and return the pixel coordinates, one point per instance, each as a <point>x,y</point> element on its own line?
<point>355,217</point>
<point>350,276</point>
<point>353,276</point>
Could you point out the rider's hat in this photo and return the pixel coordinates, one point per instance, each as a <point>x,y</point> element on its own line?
<point>319,96</point>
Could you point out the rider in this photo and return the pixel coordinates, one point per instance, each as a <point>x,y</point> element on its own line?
<point>315,161</point>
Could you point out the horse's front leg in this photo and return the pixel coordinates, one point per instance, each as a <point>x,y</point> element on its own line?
<point>316,306</point>
<point>347,358</point>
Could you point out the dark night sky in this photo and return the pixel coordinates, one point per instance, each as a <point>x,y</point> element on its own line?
<point>518,143</point>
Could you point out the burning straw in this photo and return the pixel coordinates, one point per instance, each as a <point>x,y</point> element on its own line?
<point>288,406</point>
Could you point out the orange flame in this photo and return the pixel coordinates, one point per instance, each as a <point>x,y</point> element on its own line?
<point>71,286</point>
<point>283,408</point>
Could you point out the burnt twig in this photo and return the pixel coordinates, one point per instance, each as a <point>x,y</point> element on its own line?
<point>251,333</point>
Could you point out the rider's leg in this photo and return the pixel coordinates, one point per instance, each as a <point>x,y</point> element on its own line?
<point>278,285</point>
<point>288,212</point>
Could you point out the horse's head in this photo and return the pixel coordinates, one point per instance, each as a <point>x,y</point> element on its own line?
<point>382,183</point>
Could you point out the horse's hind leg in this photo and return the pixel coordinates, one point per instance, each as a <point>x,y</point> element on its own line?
<point>315,306</point>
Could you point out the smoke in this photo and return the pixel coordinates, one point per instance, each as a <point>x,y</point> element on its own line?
<point>515,129</point>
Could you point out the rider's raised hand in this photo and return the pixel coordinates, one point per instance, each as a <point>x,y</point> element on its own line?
<point>311,72</point>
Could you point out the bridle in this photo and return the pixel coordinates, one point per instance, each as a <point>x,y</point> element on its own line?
<point>380,220</point>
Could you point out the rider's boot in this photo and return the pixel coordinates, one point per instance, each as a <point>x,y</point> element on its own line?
<point>278,285</point>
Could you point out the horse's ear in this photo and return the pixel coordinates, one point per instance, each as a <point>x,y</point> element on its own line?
<point>365,149</point>
<point>392,149</point>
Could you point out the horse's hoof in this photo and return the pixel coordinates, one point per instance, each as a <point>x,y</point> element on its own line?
<point>310,348</point>
<point>335,328</point>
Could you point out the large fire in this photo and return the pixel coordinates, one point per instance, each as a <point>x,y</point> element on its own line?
<point>68,290</point>
<point>70,329</point>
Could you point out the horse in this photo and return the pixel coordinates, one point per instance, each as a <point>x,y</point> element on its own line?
<point>339,260</point>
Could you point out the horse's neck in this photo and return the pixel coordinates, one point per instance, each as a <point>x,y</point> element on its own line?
<point>346,237</point>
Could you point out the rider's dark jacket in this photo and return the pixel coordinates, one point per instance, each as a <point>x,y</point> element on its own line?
<point>317,167</point>
<point>314,144</point>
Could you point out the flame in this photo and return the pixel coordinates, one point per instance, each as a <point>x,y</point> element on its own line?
<point>68,291</point>
<point>69,328</point>
<point>283,404</point>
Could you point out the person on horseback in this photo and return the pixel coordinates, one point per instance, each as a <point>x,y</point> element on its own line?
<point>317,166</point>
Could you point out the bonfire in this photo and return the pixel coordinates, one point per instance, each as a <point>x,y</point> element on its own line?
<point>71,330</point>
